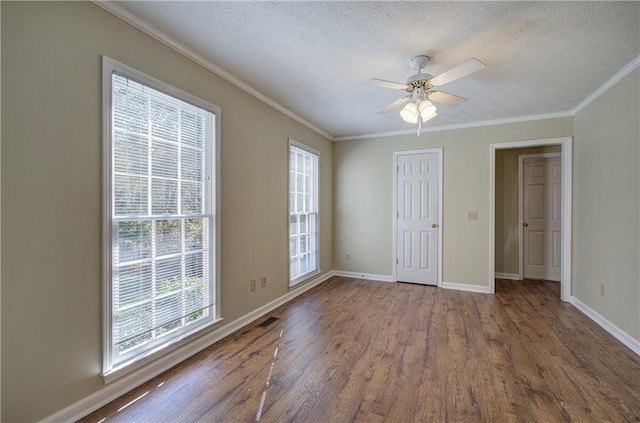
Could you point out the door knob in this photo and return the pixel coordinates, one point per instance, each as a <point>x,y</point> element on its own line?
<point>434,225</point>
<point>525,224</point>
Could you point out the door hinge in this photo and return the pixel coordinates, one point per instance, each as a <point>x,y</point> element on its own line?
<point>397,261</point>
<point>397,215</point>
<point>397,169</point>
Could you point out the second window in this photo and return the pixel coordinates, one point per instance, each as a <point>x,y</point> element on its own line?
<point>303,212</point>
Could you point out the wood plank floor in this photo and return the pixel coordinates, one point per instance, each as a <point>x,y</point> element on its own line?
<point>361,351</point>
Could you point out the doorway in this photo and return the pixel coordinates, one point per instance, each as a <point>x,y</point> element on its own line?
<point>417,202</point>
<point>565,145</point>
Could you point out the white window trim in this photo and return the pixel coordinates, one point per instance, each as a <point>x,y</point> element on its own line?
<point>112,372</point>
<point>309,275</point>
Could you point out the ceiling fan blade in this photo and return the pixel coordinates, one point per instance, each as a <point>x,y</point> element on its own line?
<point>457,72</point>
<point>399,102</point>
<point>446,98</point>
<point>388,84</point>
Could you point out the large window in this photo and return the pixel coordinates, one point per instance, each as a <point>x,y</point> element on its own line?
<point>160,225</point>
<point>303,212</point>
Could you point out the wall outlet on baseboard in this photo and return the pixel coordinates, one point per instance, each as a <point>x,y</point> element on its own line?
<point>263,281</point>
<point>602,290</point>
<point>252,285</point>
<point>472,215</point>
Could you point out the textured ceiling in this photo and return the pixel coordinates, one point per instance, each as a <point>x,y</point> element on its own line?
<point>316,58</point>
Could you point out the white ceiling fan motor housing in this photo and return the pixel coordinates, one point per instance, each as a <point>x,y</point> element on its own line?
<point>418,77</point>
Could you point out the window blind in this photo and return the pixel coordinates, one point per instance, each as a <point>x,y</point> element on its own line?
<point>162,219</point>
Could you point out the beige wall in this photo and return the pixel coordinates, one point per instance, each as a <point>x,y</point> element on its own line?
<point>51,189</point>
<point>363,196</point>
<point>607,205</point>
<point>507,187</point>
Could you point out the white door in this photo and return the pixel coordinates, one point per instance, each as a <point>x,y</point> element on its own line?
<point>542,196</point>
<point>417,218</point>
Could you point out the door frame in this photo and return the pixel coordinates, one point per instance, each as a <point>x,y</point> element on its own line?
<point>521,159</point>
<point>396,155</point>
<point>566,144</point>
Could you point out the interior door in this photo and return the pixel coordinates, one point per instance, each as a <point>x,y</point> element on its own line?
<point>542,196</point>
<point>417,218</point>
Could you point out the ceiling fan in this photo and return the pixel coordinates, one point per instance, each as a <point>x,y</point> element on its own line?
<point>421,89</point>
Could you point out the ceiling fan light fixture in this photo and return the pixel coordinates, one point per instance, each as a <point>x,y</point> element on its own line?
<point>410,113</point>
<point>427,110</point>
<point>430,117</point>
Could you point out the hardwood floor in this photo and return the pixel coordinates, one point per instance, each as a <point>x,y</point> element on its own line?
<point>352,350</point>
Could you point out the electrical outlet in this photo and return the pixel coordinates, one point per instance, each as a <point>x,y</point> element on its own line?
<point>602,290</point>
<point>347,256</point>
<point>253,285</point>
<point>472,215</point>
<point>263,281</point>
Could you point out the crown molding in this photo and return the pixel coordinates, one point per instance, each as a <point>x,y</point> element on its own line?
<point>635,63</point>
<point>144,26</point>
<point>460,126</point>
<point>378,135</point>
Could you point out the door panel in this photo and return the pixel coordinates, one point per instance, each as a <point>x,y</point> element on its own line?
<point>536,201</point>
<point>417,203</point>
<point>425,198</point>
<point>557,250</point>
<point>555,217</point>
<point>408,200</point>
<point>424,250</point>
<point>535,248</point>
<point>407,253</point>
<point>542,218</point>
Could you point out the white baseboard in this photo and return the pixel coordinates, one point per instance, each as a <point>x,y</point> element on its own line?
<point>369,276</point>
<point>466,287</point>
<point>628,340</point>
<point>508,276</point>
<point>125,384</point>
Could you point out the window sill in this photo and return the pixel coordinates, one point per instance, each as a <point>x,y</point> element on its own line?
<point>307,277</point>
<point>127,367</point>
